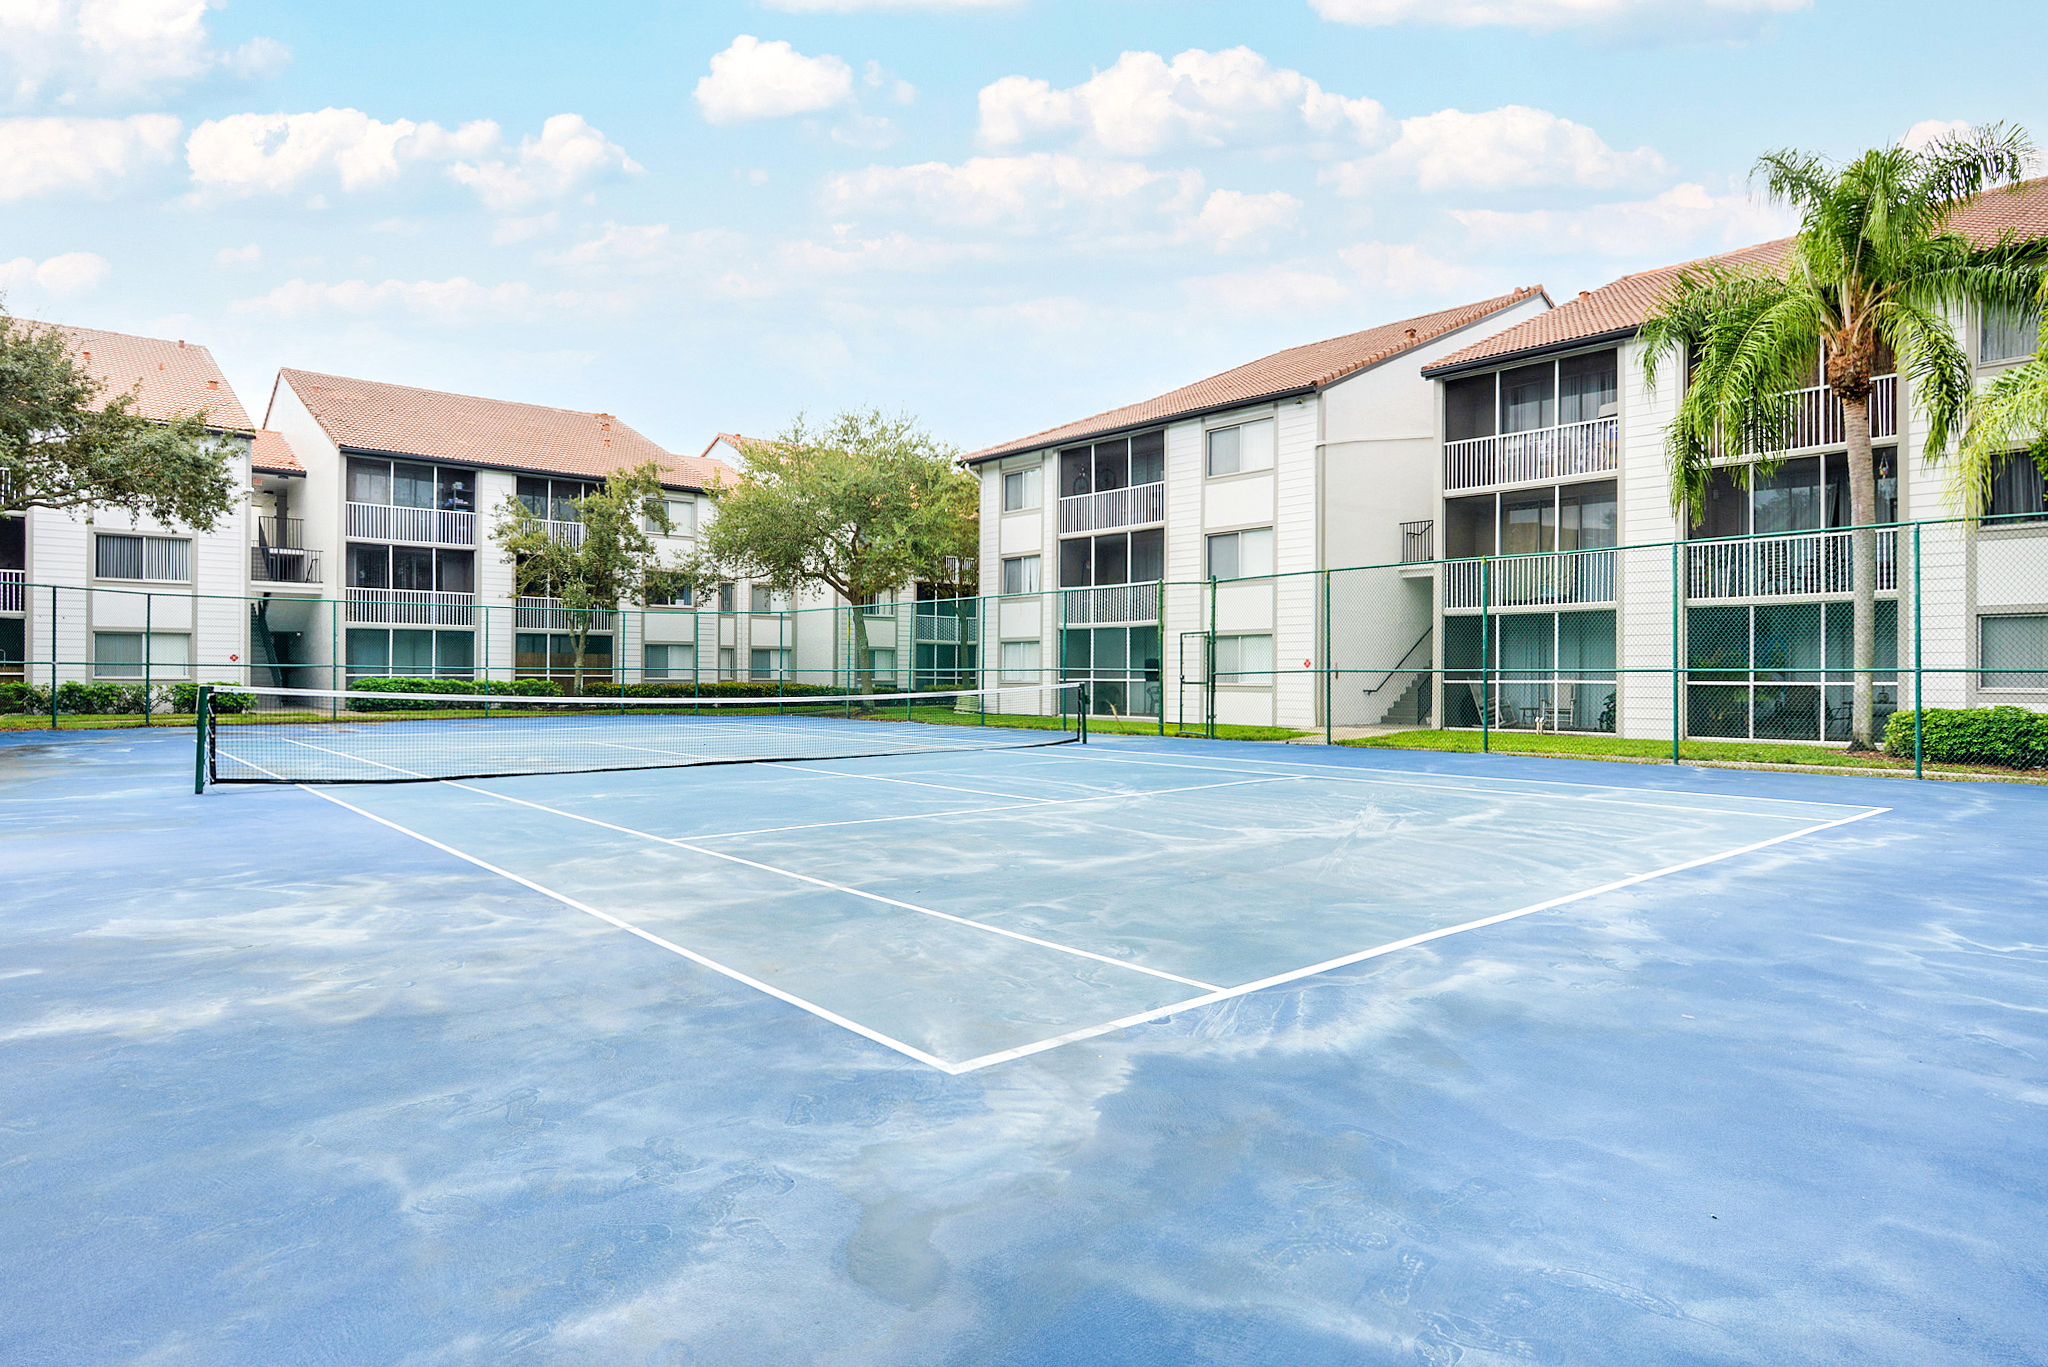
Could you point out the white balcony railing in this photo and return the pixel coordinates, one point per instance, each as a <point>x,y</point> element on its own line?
<point>1785,566</point>
<point>1113,603</point>
<point>548,614</point>
<point>568,533</point>
<point>946,630</point>
<point>411,607</point>
<point>1131,507</point>
<point>1570,579</point>
<point>1579,448</point>
<point>1817,415</point>
<point>421,526</point>
<point>12,589</point>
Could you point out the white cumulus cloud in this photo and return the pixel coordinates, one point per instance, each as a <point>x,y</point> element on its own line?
<point>1733,16</point>
<point>65,274</point>
<point>73,52</point>
<point>228,257</point>
<point>457,300</point>
<point>1402,268</point>
<point>54,155</point>
<point>1021,194</point>
<point>1231,219</point>
<point>771,80</point>
<point>1686,220</point>
<point>1513,147</point>
<point>1291,291</point>
<point>567,155</point>
<point>278,152</point>
<point>619,244</point>
<point>1146,103</point>
<point>1927,132</point>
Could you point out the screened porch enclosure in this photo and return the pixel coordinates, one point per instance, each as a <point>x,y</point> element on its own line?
<point>1530,671</point>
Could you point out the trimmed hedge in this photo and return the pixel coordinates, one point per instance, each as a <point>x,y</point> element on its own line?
<point>499,688</point>
<point>728,689</point>
<point>106,699</point>
<point>2011,736</point>
<point>185,698</point>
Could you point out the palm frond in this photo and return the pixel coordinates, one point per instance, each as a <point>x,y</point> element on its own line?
<point>2009,415</point>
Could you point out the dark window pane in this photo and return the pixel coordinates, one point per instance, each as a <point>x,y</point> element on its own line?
<point>1717,644</point>
<point>412,568</point>
<point>1727,507</point>
<point>369,652</point>
<point>1468,408</point>
<point>412,486</point>
<point>1468,527</point>
<point>1788,498</point>
<point>1148,555</point>
<point>1074,471</point>
<point>456,571</point>
<point>1586,517</point>
<point>13,544</point>
<point>1839,504</point>
<point>1587,387</point>
<point>1528,398</point>
<point>1113,559</point>
<point>412,652</point>
<point>1075,660</point>
<point>534,494</point>
<point>456,490</point>
<point>1112,465</point>
<point>2017,488</point>
<point>1074,563</point>
<point>1528,523</point>
<point>369,567</point>
<point>1715,710</point>
<point>1148,457</point>
<point>454,654</point>
<point>369,481</point>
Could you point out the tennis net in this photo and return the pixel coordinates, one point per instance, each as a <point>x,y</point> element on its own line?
<point>301,735</point>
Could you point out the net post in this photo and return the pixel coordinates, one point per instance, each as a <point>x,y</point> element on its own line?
<point>1485,659</point>
<point>1677,697</point>
<point>202,716</point>
<point>1919,704</point>
<point>1081,710</point>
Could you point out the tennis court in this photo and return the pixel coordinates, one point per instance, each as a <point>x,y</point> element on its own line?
<point>910,1043</point>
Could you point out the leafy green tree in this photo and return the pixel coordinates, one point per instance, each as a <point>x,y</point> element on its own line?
<point>615,560</point>
<point>2010,415</point>
<point>863,506</point>
<point>66,443</point>
<point>1877,267</point>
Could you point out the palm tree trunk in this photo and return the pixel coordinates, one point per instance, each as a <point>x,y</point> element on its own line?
<point>1863,565</point>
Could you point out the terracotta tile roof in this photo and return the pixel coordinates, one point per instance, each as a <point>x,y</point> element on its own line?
<point>365,415</point>
<point>1287,372</point>
<point>1619,308</point>
<point>270,451</point>
<point>175,378</point>
<point>732,439</point>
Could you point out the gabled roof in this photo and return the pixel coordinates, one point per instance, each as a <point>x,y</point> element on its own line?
<point>270,451</point>
<point>1294,371</point>
<point>171,379</point>
<point>366,415</point>
<point>732,439</point>
<point>1618,309</point>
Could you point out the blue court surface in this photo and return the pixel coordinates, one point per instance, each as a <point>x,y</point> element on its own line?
<point>1139,1052</point>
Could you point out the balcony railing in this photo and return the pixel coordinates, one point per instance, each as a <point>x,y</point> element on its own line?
<point>1418,542</point>
<point>1130,507</point>
<point>568,533</point>
<point>946,630</point>
<point>1570,579</point>
<point>1785,566</point>
<point>1579,448</point>
<point>284,565</point>
<point>410,607</point>
<point>420,526</point>
<point>287,533</point>
<point>548,614</point>
<point>1817,415</point>
<point>12,590</point>
<point>1112,603</point>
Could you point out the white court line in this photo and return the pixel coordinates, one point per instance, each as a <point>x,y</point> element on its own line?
<point>1226,994</point>
<point>800,767</point>
<point>841,887</point>
<point>823,1013</point>
<point>1409,779</point>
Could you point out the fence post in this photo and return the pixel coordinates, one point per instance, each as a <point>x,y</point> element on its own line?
<point>1329,722</point>
<point>53,657</point>
<point>1677,709</point>
<point>148,649</point>
<point>1919,704</point>
<point>1485,660</point>
<point>1159,614</point>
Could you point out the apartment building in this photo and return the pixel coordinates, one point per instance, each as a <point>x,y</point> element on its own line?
<point>1098,533</point>
<point>1552,456</point>
<point>141,601</point>
<point>373,554</point>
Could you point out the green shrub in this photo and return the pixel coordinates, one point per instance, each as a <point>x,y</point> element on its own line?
<point>747,688</point>
<point>18,697</point>
<point>496,688</point>
<point>2011,736</point>
<point>184,697</point>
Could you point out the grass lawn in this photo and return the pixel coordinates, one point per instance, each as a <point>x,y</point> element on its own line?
<point>1704,751</point>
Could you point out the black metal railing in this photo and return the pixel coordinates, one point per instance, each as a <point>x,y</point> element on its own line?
<point>284,533</point>
<point>284,565</point>
<point>1418,541</point>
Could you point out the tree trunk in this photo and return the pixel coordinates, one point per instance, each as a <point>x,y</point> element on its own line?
<point>863,652</point>
<point>579,638</point>
<point>1863,568</point>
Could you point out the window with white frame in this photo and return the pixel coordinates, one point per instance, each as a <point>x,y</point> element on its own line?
<point>119,654</point>
<point>1241,555</point>
<point>877,605</point>
<point>1021,661</point>
<point>761,598</point>
<point>666,662</point>
<point>682,517</point>
<point>727,593</point>
<point>154,559</point>
<point>1246,660</point>
<point>2013,651</point>
<point>767,662</point>
<point>728,664</point>
<point>1020,574</point>
<point>2007,334</point>
<point>1247,446</point>
<point>884,664</point>
<point>1023,489</point>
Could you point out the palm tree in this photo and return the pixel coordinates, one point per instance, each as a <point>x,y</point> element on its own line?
<point>2010,415</point>
<point>1875,267</point>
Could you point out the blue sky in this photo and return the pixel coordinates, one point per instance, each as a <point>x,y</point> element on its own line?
<point>995,214</point>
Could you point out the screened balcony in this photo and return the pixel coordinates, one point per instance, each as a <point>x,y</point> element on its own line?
<point>410,607</point>
<point>1562,579</point>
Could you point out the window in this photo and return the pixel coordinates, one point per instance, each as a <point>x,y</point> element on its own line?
<point>728,664</point>
<point>1117,464</point>
<point>13,647</point>
<point>119,654</point>
<point>1248,446</point>
<point>682,517</point>
<point>727,595</point>
<point>1801,495</point>
<point>1244,660</point>
<point>1528,398</point>
<point>2017,488</point>
<point>2006,334</point>
<point>1241,555</point>
<point>761,598</point>
<point>1113,558</point>
<point>1021,489</point>
<point>1587,387</point>
<point>424,654</point>
<point>1020,574</point>
<point>157,559</point>
<point>682,596</point>
<point>410,484</point>
<point>1575,389</point>
<point>767,663</point>
<point>537,654</point>
<point>883,662</point>
<point>877,605</point>
<point>1020,661</point>
<point>412,568</point>
<point>656,661</point>
<point>1469,407</point>
<point>553,499</point>
<point>2014,651</point>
